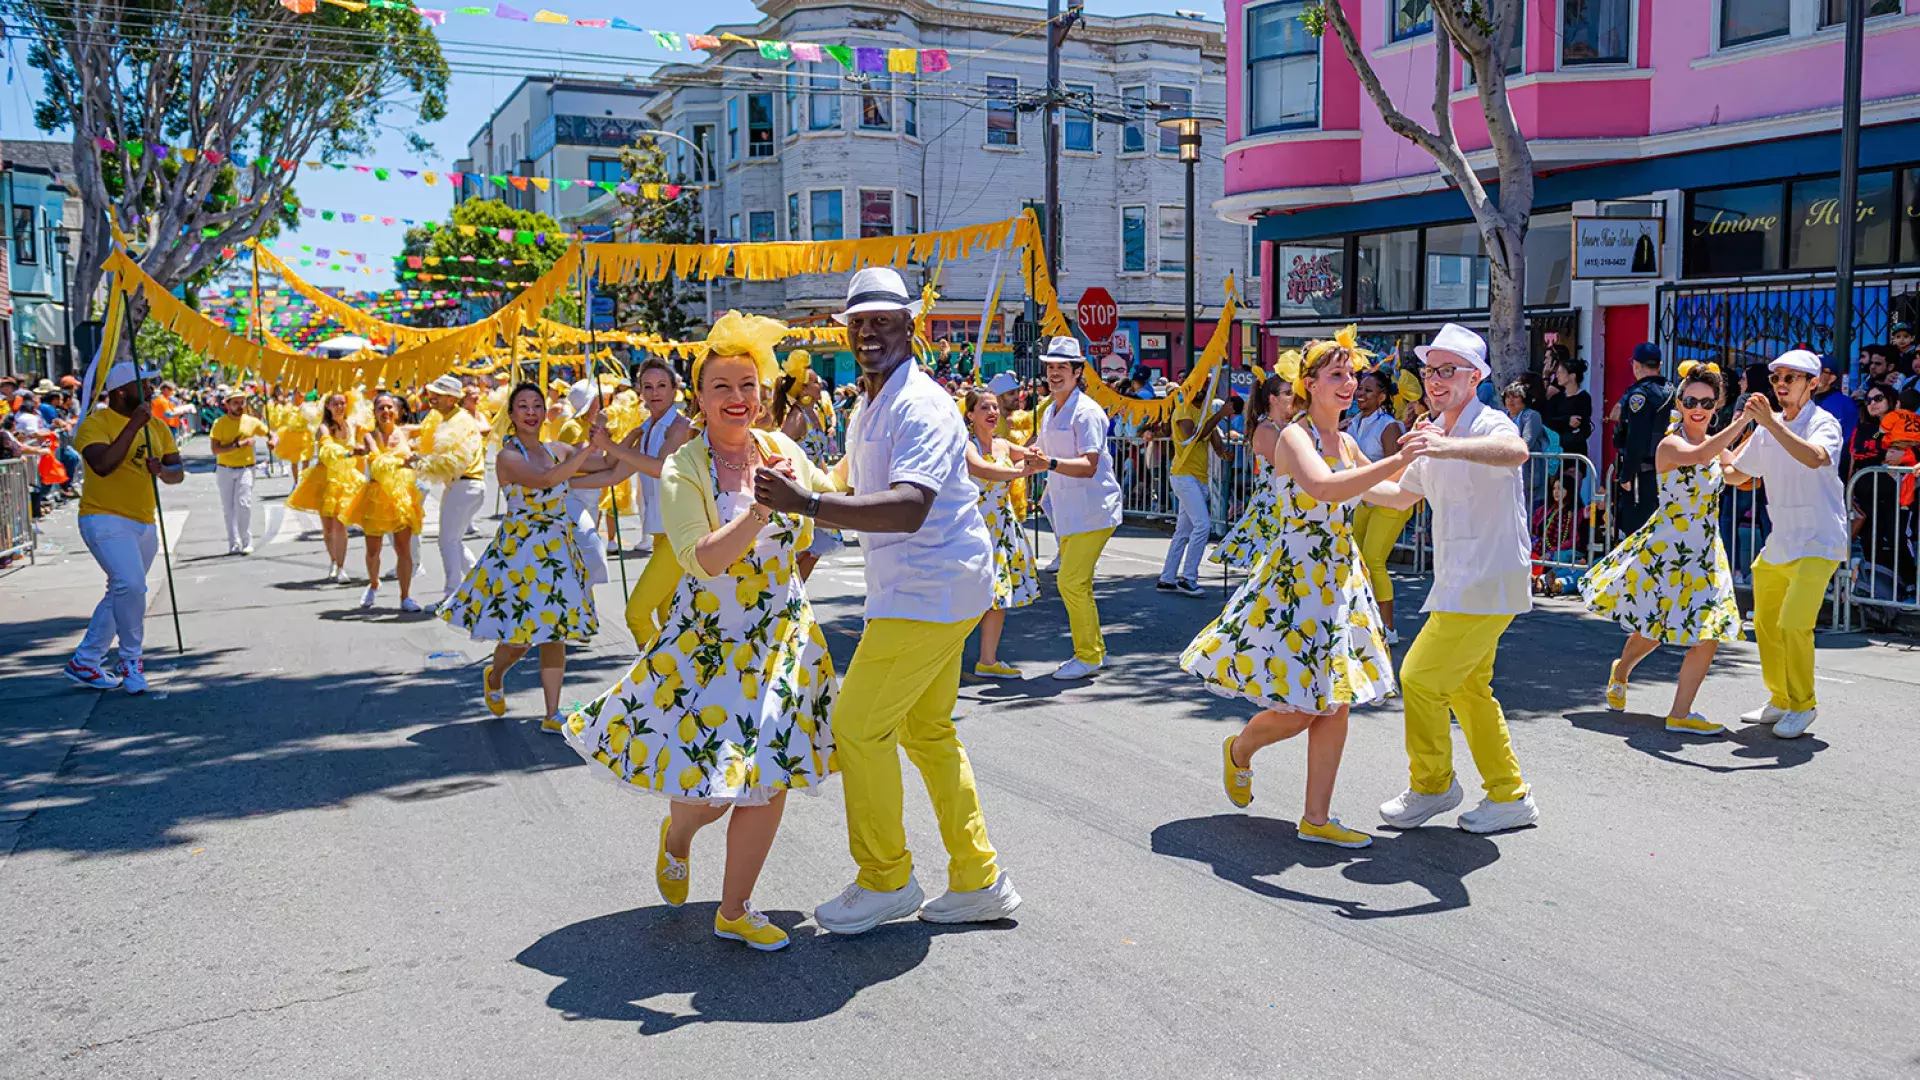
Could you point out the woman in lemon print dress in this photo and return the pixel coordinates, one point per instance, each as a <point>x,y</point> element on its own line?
<point>1669,583</point>
<point>1253,535</point>
<point>331,486</point>
<point>1015,582</point>
<point>729,707</point>
<point>530,587</point>
<point>390,503</point>
<point>1301,638</point>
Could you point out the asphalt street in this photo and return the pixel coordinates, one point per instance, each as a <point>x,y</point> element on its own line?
<point>308,853</point>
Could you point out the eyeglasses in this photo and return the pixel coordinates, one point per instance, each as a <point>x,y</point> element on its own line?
<point>1876,397</point>
<point>1778,377</point>
<point>1697,403</point>
<point>1442,373</point>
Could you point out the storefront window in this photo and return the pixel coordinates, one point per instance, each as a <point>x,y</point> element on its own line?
<point>1734,230</point>
<point>1387,275</point>
<point>1549,253</point>
<point>1312,276</point>
<point>1813,238</point>
<point>1458,272</point>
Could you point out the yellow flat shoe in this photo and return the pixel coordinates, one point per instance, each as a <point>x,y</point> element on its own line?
<point>751,928</point>
<point>553,723</point>
<point>1237,781</point>
<point>1332,833</point>
<point>1694,724</point>
<point>996,671</point>
<point>1616,689</point>
<point>496,697</point>
<point>670,873</point>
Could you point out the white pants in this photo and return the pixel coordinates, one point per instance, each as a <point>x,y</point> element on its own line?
<point>1190,529</point>
<point>460,503</point>
<point>236,502</point>
<point>125,550</point>
<point>583,508</point>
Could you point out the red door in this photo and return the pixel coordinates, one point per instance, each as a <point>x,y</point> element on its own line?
<point>1626,327</point>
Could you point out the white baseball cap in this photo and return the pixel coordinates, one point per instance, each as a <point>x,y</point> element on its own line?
<point>1796,360</point>
<point>1003,383</point>
<point>124,372</point>
<point>1064,350</point>
<point>1461,342</point>
<point>448,385</point>
<point>877,288</point>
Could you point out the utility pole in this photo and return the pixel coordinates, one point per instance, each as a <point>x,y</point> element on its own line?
<point>1057,30</point>
<point>1849,185</point>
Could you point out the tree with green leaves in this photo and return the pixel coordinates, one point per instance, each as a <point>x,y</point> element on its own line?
<point>656,307</point>
<point>190,117</point>
<point>1481,33</point>
<point>469,245</point>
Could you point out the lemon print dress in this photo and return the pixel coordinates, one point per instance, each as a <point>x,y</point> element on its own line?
<point>731,703</point>
<point>330,488</point>
<point>1303,633</point>
<point>1253,535</point>
<point>530,587</point>
<point>1671,581</point>
<point>1015,584</point>
<point>818,445</point>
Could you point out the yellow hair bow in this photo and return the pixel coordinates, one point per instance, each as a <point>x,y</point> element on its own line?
<point>1349,339</point>
<point>1407,388</point>
<point>1688,367</point>
<point>1287,366</point>
<point>734,334</point>
<point>797,364</point>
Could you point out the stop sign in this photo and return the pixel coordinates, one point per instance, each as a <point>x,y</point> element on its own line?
<point>1099,317</point>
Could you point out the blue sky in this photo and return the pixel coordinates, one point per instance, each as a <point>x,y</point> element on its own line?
<point>471,99</point>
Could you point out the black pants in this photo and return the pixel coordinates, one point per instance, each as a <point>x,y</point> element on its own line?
<point>1636,506</point>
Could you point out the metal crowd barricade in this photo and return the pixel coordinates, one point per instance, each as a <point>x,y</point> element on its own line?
<point>1882,575</point>
<point>16,508</point>
<point>1584,497</point>
<point>1230,486</point>
<point>1141,465</point>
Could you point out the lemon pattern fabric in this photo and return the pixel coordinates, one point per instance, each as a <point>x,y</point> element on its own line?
<point>732,703</point>
<point>1015,583</point>
<point>1671,581</point>
<point>1253,535</point>
<point>1302,634</point>
<point>530,587</point>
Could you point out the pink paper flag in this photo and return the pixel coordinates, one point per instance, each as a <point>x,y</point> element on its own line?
<point>932,60</point>
<point>808,51</point>
<point>432,15</point>
<point>597,24</point>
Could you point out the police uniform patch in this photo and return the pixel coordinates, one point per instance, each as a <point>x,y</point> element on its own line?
<point>1634,401</point>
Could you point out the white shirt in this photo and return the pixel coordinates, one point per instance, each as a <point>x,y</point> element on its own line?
<point>652,438</point>
<point>1481,561</point>
<point>1367,432</point>
<point>1077,429</point>
<point>911,433</point>
<point>1807,506</point>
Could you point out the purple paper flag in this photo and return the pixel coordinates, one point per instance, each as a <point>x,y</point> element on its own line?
<point>502,11</point>
<point>871,59</point>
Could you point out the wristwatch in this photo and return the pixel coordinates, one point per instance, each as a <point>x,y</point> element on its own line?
<point>813,506</point>
<point>1053,464</point>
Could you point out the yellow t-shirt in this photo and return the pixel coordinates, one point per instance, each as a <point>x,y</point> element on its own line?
<point>126,491</point>
<point>572,432</point>
<point>1190,459</point>
<point>242,429</point>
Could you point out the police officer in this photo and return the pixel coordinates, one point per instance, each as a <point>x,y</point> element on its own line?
<point>1642,419</point>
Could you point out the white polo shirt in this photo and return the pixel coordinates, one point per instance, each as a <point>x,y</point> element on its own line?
<point>1077,429</point>
<point>911,433</point>
<point>1808,506</point>
<point>1481,561</point>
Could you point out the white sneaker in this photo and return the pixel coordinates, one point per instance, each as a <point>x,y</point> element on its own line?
<point>1052,567</point>
<point>233,549</point>
<point>334,573</point>
<point>1765,714</point>
<point>410,605</point>
<point>91,677</point>
<point>857,910</point>
<point>367,598</point>
<point>1075,668</point>
<point>1410,809</point>
<point>1794,724</point>
<point>996,901</point>
<point>1491,817</point>
<point>133,676</point>
<point>246,549</point>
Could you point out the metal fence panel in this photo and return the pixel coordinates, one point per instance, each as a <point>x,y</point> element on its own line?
<point>1884,572</point>
<point>16,508</point>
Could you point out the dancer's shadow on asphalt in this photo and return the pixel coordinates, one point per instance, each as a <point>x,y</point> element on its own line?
<point>611,965</point>
<point>1755,748</point>
<point>1246,850</point>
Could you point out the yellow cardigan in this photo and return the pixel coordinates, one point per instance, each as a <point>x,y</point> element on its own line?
<point>687,506</point>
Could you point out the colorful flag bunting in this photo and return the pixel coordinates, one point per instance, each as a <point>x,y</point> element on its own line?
<point>871,60</point>
<point>666,39</point>
<point>432,15</point>
<point>774,50</point>
<point>903,60</point>
<point>703,41</point>
<point>932,60</point>
<point>808,51</point>
<point>596,24</point>
<point>843,54</point>
<point>545,16</point>
<point>502,11</point>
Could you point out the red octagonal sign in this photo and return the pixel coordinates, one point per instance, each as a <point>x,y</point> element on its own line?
<point>1099,317</point>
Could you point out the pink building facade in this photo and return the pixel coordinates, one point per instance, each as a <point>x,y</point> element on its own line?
<point>1714,122</point>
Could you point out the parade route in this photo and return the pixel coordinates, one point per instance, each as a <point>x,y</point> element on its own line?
<point>307,852</point>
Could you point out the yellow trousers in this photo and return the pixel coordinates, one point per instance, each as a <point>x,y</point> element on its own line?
<point>1078,554</point>
<point>1786,605</point>
<point>899,690</point>
<point>1375,529</point>
<point>652,596</point>
<point>1449,668</point>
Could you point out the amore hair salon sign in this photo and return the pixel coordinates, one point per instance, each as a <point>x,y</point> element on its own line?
<point>1612,247</point>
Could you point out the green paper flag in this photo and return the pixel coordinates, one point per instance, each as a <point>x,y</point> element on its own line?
<point>666,39</point>
<point>327,215</point>
<point>134,150</point>
<point>842,53</point>
<point>605,185</point>
<point>381,174</point>
<point>775,50</point>
<point>523,236</point>
<point>563,184</point>
<point>499,180</point>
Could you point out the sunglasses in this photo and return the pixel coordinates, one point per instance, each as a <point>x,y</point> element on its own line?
<point>1876,397</point>
<point>1697,403</point>
<point>1786,376</point>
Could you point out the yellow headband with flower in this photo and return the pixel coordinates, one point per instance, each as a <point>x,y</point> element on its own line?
<point>734,334</point>
<point>1294,365</point>
<point>796,366</point>
<point>1688,367</point>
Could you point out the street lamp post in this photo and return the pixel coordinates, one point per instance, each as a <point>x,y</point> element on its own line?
<point>64,245</point>
<point>1189,127</point>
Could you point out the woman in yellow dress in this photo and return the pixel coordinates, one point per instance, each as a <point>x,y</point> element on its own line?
<point>1015,581</point>
<point>390,503</point>
<point>295,443</point>
<point>332,485</point>
<point>729,707</point>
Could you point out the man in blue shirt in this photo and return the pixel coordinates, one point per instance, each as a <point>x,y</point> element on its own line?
<point>1829,396</point>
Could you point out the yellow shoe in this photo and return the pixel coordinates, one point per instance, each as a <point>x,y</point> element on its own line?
<point>553,723</point>
<point>752,928</point>
<point>1694,724</point>
<point>669,873</point>
<point>996,671</point>
<point>1616,690</point>
<point>1238,781</point>
<point>1332,833</point>
<point>496,696</point>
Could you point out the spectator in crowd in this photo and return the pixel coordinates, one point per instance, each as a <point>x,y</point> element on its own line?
<point>1642,414</point>
<point>1568,410</point>
<point>1532,432</point>
<point>14,447</point>
<point>1865,444</point>
<point>1876,368</point>
<point>1828,395</point>
<point>1559,536</point>
<point>1906,354</point>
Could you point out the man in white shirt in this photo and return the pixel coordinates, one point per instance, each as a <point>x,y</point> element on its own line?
<point>929,567</point>
<point>1083,496</point>
<point>1797,453</point>
<point>1470,476</point>
<point>452,454</point>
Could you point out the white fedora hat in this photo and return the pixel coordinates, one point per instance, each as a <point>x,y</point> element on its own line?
<point>878,288</point>
<point>1461,342</point>
<point>448,385</point>
<point>1063,350</point>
